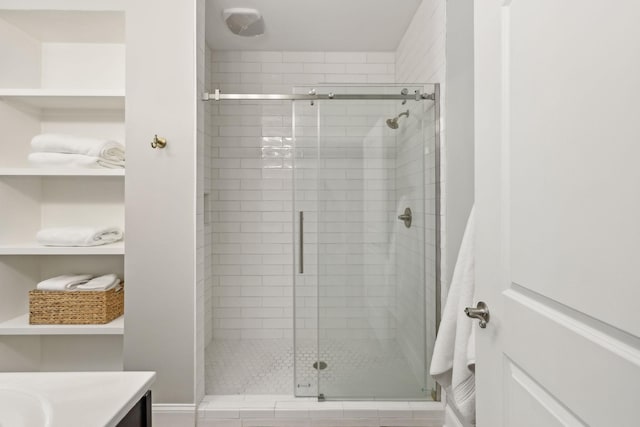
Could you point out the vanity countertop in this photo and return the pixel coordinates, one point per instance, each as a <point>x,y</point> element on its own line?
<point>70,399</point>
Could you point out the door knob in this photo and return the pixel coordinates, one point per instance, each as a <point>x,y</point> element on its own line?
<point>481,312</point>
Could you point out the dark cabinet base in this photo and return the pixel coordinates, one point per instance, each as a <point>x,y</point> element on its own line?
<point>140,414</point>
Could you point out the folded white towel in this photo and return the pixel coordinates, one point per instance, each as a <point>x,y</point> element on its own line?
<point>100,283</point>
<point>66,282</point>
<point>92,147</point>
<point>79,236</point>
<point>453,361</point>
<point>45,160</point>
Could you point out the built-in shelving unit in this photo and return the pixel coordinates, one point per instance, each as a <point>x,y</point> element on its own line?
<point>63,72</point>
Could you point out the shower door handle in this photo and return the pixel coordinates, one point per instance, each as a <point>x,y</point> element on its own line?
<point>301,243</point>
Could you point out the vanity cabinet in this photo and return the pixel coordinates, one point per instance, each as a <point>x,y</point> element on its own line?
<point>63,72</point>
<point>140,414</point>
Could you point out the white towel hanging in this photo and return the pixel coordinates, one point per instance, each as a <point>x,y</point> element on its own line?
<point>453,362</point>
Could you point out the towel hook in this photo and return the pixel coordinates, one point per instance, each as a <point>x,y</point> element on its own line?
<point>158,142</point>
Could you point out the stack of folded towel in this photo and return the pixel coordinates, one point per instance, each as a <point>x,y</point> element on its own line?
<point>79,282</point>
<point>57,150</point>
<point>79,236</point>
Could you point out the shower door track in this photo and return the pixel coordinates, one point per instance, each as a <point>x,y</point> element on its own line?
<point>219,96</point>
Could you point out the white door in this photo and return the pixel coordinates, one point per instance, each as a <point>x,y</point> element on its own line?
<point>557,104</point>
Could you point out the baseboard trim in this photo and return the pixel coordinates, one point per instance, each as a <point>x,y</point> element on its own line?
<point>174,415</point>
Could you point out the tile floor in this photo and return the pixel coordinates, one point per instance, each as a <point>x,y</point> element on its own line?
<point>362,369</point>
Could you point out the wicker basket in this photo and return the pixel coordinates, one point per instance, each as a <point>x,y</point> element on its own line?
<point>75,307</point>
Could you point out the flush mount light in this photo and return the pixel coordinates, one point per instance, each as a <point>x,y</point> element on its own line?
<point>244,21</point>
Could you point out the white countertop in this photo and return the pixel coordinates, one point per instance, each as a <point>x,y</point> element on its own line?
<point>82,399</point>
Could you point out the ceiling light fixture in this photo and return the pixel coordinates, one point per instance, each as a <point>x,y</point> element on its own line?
<point>244,21</point>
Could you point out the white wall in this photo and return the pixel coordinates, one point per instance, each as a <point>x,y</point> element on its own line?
<point>459,111</point>
<point>160,265</point>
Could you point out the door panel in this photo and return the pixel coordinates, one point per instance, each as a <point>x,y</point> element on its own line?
<point>532,406</point>
<point>557,203</point>
<point>577,360</point>
<point>574,148</point>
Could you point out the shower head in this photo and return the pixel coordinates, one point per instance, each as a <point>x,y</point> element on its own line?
<point>393,123</point>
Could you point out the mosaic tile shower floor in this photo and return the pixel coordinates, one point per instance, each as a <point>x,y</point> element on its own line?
<point>266,367</point>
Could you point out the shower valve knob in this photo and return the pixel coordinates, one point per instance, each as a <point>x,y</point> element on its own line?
<point>406,217</point>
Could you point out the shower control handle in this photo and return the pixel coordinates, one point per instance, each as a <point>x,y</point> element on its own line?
<point>481,312</point>
<point>406,217</point>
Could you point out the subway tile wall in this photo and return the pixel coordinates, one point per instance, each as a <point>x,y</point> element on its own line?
<point>347,196</point>
<point>251,196</point>
<point>420,57</point>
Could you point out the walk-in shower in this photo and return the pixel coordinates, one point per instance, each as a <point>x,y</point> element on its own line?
<point>321,289</point>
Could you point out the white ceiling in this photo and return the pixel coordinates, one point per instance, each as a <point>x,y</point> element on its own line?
<point>316,25</point>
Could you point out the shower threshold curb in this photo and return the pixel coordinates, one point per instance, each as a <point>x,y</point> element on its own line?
<point>286,411</point>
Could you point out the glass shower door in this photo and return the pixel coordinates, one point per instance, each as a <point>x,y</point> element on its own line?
<point>360,165</point>
<point>305,230</point>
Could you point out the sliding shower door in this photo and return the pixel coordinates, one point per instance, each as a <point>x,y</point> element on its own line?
<point>365,279</point>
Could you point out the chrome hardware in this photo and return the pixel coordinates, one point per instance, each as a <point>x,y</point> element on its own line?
<point>481,312</point>
<point>312,92</point>
<point>406,217</point>
<point>404,91</point>
<point>330,95</point>
<point>301,232</point>
<point>158,142</point>
<point>312,95</point>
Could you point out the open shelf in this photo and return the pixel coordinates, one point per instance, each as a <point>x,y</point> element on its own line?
<point>20,326</point>
<point>35,249</point>
<point>65,73</point>
<point>65,99</point>
<point>60,172</point>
